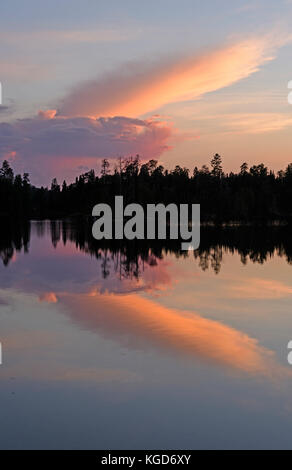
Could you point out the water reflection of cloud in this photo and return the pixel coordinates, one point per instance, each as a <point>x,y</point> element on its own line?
<point>137,322</point>
<point>115,306</point>
<point>65,269</point>
<point>46,371</point>
<point>256,288</point>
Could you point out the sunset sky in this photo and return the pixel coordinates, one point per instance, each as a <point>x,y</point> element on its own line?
<point>174,81</point>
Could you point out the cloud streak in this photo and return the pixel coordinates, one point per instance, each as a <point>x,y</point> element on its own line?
<point>68,36</point>
<point>244,123</point>
<point>136,89</point>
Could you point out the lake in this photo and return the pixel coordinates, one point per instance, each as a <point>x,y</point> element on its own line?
<point>111,346</point>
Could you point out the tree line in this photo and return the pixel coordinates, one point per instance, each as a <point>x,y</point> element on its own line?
<point>253,194</point>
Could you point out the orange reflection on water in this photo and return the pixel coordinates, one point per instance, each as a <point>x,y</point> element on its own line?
<point>136,322</point>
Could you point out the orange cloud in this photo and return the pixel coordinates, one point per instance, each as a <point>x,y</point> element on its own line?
<point>48,114</point>
<point>138,88</point>
<point>49,297</point>
<point>11,155</point>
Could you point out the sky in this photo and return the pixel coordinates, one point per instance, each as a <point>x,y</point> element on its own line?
<point>174,81</point>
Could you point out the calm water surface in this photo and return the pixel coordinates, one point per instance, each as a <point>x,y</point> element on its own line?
<point>136,348</point>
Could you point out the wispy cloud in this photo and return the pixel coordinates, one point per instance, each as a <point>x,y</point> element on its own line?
<point>138,88</point>
<point>248,6</point>
<point>23,70</point>
<point>244,123</point>
<point>257,123</point>
<point>69,36</point>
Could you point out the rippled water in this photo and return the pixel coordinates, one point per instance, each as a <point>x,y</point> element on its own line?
<point>144,347</point>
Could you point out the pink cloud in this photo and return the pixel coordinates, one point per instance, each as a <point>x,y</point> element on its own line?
<point>64,143</point>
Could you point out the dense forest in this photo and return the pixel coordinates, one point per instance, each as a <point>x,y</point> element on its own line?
<point>253,194</point>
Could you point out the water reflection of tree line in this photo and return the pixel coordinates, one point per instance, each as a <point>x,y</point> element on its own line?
<point>128,258</point>
<point>13,238</point>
